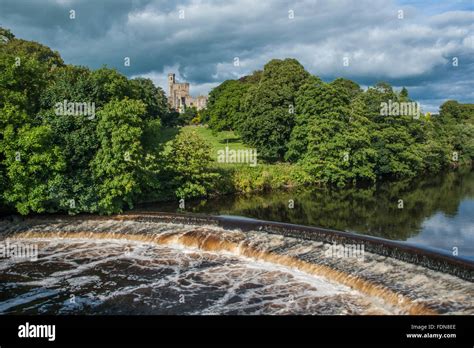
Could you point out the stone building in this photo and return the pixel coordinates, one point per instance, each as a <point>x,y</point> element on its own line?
<point>179,98</point>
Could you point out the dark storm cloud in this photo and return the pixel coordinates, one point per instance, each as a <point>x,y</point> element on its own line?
<point>93,18</point>
<point>415,51</point>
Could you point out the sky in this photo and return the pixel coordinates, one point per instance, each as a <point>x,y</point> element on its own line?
<point>406,43</point>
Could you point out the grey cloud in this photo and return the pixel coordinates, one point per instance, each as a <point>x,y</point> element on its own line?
<point>415,51</point>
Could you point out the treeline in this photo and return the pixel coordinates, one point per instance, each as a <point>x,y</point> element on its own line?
<point>77,140</point>
<point>337,131</point>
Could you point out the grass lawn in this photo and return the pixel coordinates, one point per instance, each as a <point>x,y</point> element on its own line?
<point>241,177</point>
<point>217,141</point>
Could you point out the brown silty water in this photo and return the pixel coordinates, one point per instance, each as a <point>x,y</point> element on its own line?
<point>118,265</point>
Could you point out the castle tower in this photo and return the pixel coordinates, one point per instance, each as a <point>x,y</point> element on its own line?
<point>179,97</point>
<point>171,82</point>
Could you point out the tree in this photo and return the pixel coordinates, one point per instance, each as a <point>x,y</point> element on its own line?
<point>269,108</point>
<point>313,98</point>
<point>225,105</point>
<point>397,138</point>
<point>75,134</point>
<point>34,168</point>
<point>153,97</point>
<point>33,50</point>
<point>187,116</point>
<point>188,164</point>
<point>31,164</point>
<point>348,87</point>
<point>118,165</point>
<point>22,79</point>
<point>7,34</point>
<point>454,128</point>
<point>110,84</point>
<point>331,138</point>
<point>404,95</point>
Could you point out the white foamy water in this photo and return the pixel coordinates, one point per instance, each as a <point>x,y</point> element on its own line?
<point>131,267</point>
<point>122,277</point>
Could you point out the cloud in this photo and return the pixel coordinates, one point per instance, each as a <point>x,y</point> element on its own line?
<point>201,38</point>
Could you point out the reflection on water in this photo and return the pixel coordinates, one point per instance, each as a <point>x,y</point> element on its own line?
<point>437,212</point>
<point>446,232</point>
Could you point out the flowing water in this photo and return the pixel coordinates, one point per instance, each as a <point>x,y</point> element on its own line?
<point>437,212</point>
<point>122,266</point>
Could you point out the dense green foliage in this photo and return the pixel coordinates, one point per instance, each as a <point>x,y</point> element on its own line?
<point>102,155</point>
<point>30,160</point>
<point>119,144</point>
<point>187,166</point>
<point>331,138</point>
<point>337,131</point>
<point>225,105</point>
<point>268,104</point>
<point>176,119</point>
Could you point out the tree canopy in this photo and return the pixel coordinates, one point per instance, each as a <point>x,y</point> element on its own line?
<point>338,131</point>
<point>79,140</point>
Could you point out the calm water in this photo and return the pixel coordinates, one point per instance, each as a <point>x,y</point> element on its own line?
<point>437,212</point>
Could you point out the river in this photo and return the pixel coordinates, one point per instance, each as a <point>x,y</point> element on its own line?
<point>437,212</point>
<point>127,265</point>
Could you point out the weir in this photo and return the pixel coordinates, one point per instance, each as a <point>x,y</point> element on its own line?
<point>435,260</point>
<point>432,285</point>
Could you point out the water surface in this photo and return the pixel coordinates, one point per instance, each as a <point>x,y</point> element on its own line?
<point>436,212</point>
<point>121,266</point>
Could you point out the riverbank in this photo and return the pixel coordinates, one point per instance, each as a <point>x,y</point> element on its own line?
<point>247,178</point>
<point>436,213</point>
